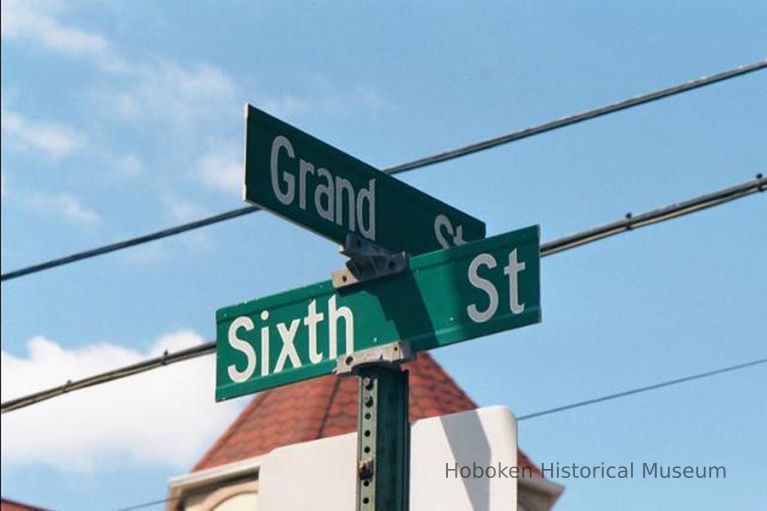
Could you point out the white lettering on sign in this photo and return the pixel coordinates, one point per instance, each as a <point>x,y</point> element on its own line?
<point>335,198</point>
<point>333,316</point>
<point>288,336</point>
<point>264,345</point>
<point>444,229</point>
<point>513,270</point>
<point>285,197</point>
<point>243,346</point>
<point>288,333</point>
<point>311,320</point>
<point>485,285</point>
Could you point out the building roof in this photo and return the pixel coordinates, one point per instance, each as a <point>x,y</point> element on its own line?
<point>12,505</point>
<point>327,406</point>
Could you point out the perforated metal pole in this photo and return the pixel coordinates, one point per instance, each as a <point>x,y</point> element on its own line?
<point>383,441</point>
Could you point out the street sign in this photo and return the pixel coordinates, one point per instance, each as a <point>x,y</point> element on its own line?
<point>319,187</point>
<point>445,297</point>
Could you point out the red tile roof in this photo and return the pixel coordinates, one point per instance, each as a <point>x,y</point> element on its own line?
<point>327,406</point>
<point>11,505</point>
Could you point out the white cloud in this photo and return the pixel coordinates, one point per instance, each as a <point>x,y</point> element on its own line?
<point>54,138</point>
<point>222,171</point>
<point>288,105</point>
<point>164,417</point>
<point>169,94</point>
<point>149,254</point>
<point>64,206</point>
<point>200,98</point>
<point>188,105</point>
<point>182,209</point>
<point>327,100</point>
<point>128,165</point>
<point>178,209</point>
<point>36,22</point>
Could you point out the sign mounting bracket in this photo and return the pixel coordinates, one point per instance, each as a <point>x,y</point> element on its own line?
<point>367,261</point>
<point>391,354</point>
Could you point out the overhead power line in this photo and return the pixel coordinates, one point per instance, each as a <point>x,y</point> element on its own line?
<point>639,390</point>
<point>559,409</point>
<point>592,235</point>
<point>412,165</point>
<point>132,242</point>
<point>145,505</point>
<point>116,374</point>
<point>630,221</point>
<point>580,117</point>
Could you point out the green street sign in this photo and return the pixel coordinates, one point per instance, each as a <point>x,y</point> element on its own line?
<point>334,194</point>
<point>445,297</point>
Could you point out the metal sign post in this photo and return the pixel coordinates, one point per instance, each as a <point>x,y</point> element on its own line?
<point>383,441</point>
<point>383,418</point>
<point>383,436</point>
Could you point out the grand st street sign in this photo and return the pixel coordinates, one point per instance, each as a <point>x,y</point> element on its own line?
<point>445,297</point>
<point>334,194</point>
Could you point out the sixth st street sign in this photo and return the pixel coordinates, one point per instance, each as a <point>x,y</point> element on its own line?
<point>446,297</point>
<point>319,187</point>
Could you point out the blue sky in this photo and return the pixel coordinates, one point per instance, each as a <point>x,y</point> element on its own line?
<point>121,118</point>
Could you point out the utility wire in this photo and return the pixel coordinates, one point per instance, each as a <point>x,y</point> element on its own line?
<point>630,221</point>
<point>580,117</point>
<point>592,235</point>
<point>639,390</point>
<point>132,242</point>
<point>147,504</point>
<point>564,408</point>
<point>123,372</point>
<point>412,165</point>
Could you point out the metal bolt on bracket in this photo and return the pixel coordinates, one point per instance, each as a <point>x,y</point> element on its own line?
<point>366,468</point>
